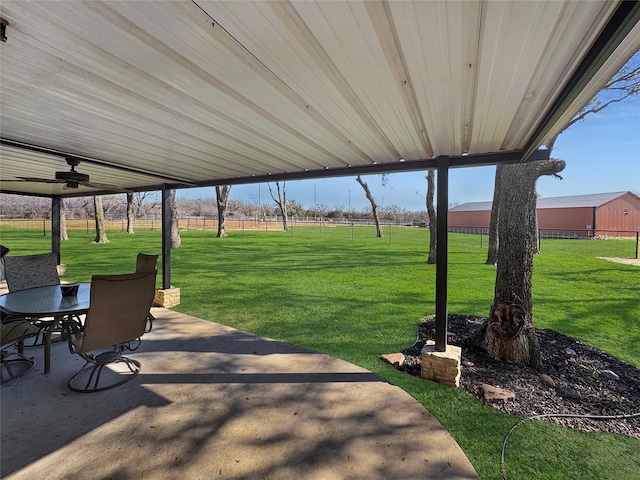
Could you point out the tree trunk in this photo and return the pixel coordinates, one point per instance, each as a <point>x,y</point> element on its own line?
<point>63,221</point>
<point>510,333</point>
<point>494,241</point>
<point>536,229</point>
<point>131,213</point>
<point>433,219</point>
<point>374,206</point>
<point>222,199</point>
<point>176,242</point>
<point>101,233</point>
<point>281,202</point>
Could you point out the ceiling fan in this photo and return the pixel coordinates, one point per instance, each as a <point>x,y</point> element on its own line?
<point>71,179</point>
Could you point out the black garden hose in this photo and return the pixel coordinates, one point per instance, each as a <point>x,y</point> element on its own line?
<point>557,415</point>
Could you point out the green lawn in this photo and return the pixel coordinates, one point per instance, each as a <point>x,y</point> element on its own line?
<point>358,298</point>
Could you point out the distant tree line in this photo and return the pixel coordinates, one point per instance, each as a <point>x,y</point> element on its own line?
<point>147,205</point>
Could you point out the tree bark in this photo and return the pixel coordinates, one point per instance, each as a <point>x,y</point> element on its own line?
<point>281,202</point>
<point>494,241</point>
<point>131,213</point>
<point>222,200</point>
<point>510,334</point>
<point>63,221</point>
<point>101,233</point>
<point>176,242</point>
<point>433,219</point>
<point>374,206</point>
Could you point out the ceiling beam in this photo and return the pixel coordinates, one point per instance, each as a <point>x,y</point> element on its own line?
<point>380,168</point>
<point>480,160</point>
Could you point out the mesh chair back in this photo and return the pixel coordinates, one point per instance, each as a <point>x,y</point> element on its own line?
<point>30,271</point>
<point>146,263</point>
<point>119,308</point>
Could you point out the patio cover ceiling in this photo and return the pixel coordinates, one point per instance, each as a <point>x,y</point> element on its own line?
<point>195,93</point>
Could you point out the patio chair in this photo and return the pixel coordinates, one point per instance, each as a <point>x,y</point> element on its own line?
<point>3,251</point>
<point>31,271</point>
<point>115,321</point>
<point>147,263</point>
<point>13,362</point>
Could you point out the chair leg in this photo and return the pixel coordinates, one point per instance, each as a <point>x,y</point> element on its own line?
<point>94,377</point>
<point>15,364</point>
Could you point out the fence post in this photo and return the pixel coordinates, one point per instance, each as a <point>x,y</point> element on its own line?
<point>637,240</point>
<point>539,241</point>
<point>44,227</point>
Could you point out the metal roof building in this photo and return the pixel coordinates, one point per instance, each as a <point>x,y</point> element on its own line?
<point>601,213</point>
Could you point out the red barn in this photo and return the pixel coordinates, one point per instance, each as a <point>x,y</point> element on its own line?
<point>604,214</point>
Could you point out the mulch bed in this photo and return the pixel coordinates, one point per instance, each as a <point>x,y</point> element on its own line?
<point>575,368</point>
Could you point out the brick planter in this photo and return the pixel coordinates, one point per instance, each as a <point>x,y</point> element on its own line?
<point>167,298</point>
<point>441,367</point>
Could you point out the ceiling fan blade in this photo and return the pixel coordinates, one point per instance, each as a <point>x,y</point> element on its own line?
<point>34,179</point>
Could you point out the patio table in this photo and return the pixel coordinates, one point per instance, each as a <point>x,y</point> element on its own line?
<point>45,304</point>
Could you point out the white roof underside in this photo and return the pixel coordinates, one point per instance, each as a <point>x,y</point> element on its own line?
<point>208,91</point>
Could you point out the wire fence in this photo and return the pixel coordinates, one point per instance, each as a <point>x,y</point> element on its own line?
<point>605,243</point>
<point>203,223</point>
<point>619,243</point>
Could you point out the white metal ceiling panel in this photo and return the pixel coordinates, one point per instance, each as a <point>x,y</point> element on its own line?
<point>205,91</point>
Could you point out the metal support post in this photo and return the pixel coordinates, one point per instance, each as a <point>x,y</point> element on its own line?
<point>442,253</point>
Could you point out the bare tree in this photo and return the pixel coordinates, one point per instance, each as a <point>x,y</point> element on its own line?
<point>492,255</point>
<point>374,206</point>
<point>63,220</point>
<point>258,206</point>
<point>131,213</point>
<point>281,202</point>
<point>101,233</point>
<point>433,219</point>
<point>509,334</point>
<point>222,200</point>
<point>176,241</point>
<point>321,210</point>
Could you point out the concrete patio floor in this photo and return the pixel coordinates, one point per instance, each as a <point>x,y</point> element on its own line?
<point>215,402</point>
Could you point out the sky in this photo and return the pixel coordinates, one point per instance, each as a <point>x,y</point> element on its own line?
<point>602,154</point>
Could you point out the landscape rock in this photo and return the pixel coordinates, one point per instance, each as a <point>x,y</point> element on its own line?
<point>494,394</point>
<point>547,380</point>
<point>609,375</point>
<point>395,359</point>
<point>580,389</point>
<point>570,351</point>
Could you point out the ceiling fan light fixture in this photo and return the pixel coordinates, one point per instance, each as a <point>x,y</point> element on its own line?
<point>72,177</point>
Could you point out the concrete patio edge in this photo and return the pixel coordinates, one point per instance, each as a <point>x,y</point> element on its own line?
<point>215,402</point>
